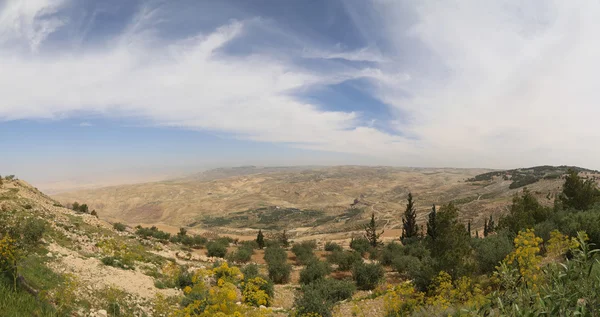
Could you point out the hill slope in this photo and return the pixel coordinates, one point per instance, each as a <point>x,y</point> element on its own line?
<point>271,198</point>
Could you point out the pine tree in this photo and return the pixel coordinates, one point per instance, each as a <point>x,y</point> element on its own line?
<point>260,239</point>
<point>469,228</point>
<point>491,226</point>
<point>371,232</point>
<point>410,229</point>
<point>283,239</point>
<point>577,193</point>
<point>432,231</point>
<point>485,228</point>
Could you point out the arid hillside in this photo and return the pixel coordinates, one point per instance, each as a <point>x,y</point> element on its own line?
<point>311,200</point>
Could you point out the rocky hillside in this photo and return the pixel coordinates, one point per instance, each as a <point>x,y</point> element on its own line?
<point>313,201</point>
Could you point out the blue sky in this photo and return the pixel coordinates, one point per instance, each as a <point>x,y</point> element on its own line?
<point>97,89</point>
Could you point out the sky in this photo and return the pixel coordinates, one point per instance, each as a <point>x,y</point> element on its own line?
<point>97,90</point>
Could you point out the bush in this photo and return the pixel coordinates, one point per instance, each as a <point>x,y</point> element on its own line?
<point>304,252</point>
<point>490,251</point>
<point>367,276</point>
<point>33,231</point>
<point>360,245</point>
<point>420,271</point>
<point>241,255</point>
<point>313,271</point>
<point>250,244</point>
<point>119,226</point>
<point>332,246</point>
<point>320,296</point>
<point>152,232</point>
<point>250,271</point>
<point>344,259</point>
<point>256,292</point>
<point>216,249</point>
<point>390,252</point>
<point>279,270</point>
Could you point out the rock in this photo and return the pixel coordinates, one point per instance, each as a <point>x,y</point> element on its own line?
<point>262,307</point>
<point>238,303</point>
<point>49,254</point>
<point>102,313</point>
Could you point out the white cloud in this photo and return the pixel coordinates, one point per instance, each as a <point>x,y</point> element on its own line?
<point>505,84</point>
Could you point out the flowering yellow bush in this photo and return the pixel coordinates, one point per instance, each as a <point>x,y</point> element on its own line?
<point>228,274</point>
<point>559,244</point>
<point>525,257</point>
<point>253,293</point>
<point>402,299</point>
<point>446,293</point>
<point>9,254</point>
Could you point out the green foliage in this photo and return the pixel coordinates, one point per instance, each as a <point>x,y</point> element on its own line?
<point>304,252</point>
<point>313,271</point>
<point>577,193</point>
<point>21,303</point>
<point>33,231</point>
<point>451,248</point>
<point>490,251</point>
<point>367,275</point>
<point>524,213</point>
<point>360,245</point>
<point>260,239</point>
<point>410,229</point>
<point>319,297</point>
<point>152,232</point>
<point>432,231</point>
<point>332,246</point>
<point>242,255</point>
<point>371,232</point>
<point>520,181</point>
<point>489,226</point>
<point>390,251</point>
<point>119,226</point>
<point>279,270</point>
<point>413,261</point>
<point>217,249</point>
<point>195,241</point>
<point>250,271</point>
<point>344,259</point>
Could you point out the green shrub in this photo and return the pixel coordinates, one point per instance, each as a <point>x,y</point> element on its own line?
<point>313,271</point>
<point>332,246</point>
<point>391,251</point>
<point>304,252</point>
<point>320,296</point>
<point>115,262</point>
<point>344,259</point>
<point>216,249</point>
<point>241,255</point>
<point>250,271</point>
<point>360,245</point>
<point>492,249</point>
<point>279,270</point>
<point>33,231</point>
<point>249,244</point>
<point>367,276</point>
<point>119,226</point>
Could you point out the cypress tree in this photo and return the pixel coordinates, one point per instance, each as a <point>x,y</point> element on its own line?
<point>491,226</point>
<point>485,228</point>
<point>371,232</point>
<point>410,229</point>
<point>260,239</point>
<point>432,231</point>
<point>469,228</point>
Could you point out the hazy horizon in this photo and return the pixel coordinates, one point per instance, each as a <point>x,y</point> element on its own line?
<point>110,91</point>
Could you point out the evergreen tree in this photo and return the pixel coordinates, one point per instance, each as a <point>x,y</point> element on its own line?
<point>485,228</point>
<point>476,233</point>
<point>469,228</point>
<point>371,232</point>
<point>452,247</point>
<point>491,226</point>
<point>260,239</point>
<point>283,239</point>
<point>577,193</point>
<point>410,229</point>
<point>182,232</point>
<point>432,224</point>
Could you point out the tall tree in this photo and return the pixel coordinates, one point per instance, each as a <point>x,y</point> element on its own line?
<point>451,248</point>
<point>485,228</point>
<point>432,224</point>
<point>410,229</point>
<point>371,232</point>
<point>491,226</point>
<point>260,239</point>
<point>577,193</point>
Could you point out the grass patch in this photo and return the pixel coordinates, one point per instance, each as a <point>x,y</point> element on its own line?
<point>21,303</point>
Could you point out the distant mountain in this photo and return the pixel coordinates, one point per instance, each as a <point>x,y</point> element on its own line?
<point>526,176</point>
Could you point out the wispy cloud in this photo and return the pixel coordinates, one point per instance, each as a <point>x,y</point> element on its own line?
<point>485,84</point>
